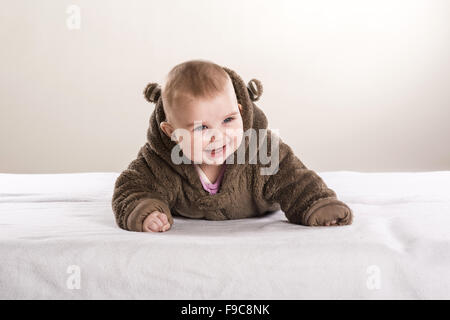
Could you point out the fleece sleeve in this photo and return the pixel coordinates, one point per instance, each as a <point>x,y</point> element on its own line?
<point>141,185</point>
<point>298,190</point>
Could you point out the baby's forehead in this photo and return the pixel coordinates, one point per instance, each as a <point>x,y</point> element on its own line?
<point>186,104</point>
<point>205,110</point>
<point>222,100</point>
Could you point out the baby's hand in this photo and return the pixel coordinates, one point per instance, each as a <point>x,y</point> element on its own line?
<point>331,215</point>
<point>156,222</point>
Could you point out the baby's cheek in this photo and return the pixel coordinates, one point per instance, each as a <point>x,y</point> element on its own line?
<point>236,139</point>
<point>194,149</point>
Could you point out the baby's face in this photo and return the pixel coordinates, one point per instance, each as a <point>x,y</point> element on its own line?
<point>212,129</point>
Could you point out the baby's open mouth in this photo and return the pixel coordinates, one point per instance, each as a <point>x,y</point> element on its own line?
<point>216,152</point>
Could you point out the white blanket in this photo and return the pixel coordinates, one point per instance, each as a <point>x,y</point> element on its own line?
<point>58,240</point>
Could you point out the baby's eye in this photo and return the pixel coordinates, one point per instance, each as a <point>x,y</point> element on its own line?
<point>200,128</point>
<point>231,119</point>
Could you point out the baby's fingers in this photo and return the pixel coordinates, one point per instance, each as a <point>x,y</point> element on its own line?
<point>163,218</point>
<point>164,221</point>
<point>153,223</point>
<point>165,227</point>
<point>151,226</point>
<point>157,220</point>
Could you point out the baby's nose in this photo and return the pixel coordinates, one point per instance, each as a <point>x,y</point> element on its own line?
<point>214,135</point>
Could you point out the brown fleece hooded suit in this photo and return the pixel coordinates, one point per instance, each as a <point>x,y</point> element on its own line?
<point>176,189</point>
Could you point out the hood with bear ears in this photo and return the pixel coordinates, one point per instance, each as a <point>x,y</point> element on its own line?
<point>252,117</point>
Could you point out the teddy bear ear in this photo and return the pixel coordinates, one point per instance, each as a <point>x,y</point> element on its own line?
<point>255,89</point>
<point>152,92</point>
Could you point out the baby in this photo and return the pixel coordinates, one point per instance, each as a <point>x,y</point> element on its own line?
<point>202,160</point>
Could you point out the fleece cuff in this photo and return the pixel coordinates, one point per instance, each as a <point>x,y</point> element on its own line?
<point>319,204</point>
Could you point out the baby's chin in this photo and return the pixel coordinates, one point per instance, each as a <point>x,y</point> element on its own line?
<point>216,157</point>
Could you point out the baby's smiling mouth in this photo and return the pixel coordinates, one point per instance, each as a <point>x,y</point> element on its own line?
<point>216,152</point>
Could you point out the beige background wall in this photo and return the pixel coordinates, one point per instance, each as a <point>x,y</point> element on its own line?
<point>351,85</point>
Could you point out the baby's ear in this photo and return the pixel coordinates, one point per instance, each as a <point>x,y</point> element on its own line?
<point>255,89</point>
<point>152,92</point>
<point>166,128</point>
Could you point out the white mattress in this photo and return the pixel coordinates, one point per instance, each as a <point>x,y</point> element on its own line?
<point>398,246</point>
